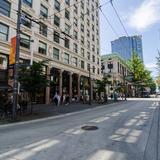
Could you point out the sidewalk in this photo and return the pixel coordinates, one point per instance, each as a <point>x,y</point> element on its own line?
<point>43,110</point>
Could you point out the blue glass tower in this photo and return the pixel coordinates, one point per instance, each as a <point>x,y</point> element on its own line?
<point>124,46</point>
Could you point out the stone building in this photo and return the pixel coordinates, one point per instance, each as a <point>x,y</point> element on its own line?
<point>65,32</point>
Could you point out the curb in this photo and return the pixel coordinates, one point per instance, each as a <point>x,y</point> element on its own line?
<point>55,117</point>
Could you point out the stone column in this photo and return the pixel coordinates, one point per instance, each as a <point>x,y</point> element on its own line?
<point>70,86</point>
<point>47,100</point>
<point>78,85</point>
<point>60,81</point>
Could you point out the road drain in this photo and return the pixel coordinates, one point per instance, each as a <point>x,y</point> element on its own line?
<point>89,128</point>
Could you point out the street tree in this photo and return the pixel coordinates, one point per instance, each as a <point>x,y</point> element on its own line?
<point>141,77</point>
<point>33,79</point>
<point>101,86</point>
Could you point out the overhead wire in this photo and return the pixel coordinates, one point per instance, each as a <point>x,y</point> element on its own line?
<point>111,2</point>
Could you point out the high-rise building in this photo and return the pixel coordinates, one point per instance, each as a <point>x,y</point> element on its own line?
<point>58,31</point>
<point>124,46</point>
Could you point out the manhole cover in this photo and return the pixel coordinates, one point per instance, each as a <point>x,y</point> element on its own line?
<point>89,128</point>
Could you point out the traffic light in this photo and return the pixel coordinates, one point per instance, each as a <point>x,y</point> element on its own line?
<point>12,55</point>
<point>110,66</point>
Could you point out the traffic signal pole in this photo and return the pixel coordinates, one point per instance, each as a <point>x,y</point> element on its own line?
<point>16,65</point>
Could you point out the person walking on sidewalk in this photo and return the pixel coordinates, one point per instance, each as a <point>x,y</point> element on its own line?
<point>55,98</point>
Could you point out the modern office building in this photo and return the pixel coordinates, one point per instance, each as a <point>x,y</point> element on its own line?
<point>124,46</point>
<point>64,32</point>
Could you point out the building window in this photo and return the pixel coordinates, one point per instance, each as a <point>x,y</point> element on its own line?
<point>82,64</point>
<point>74,61</point>
<point>88,33</point>
<point>26,20</point>
<point>82,27</point>
<point>67,29</point>
<point>93,58</point>
<point>98,71</point>
<point>75,9</point>
<point>88,22</point>
<point>88,11</point>
<point>43,29</point>
<point>88,44</point>
<point>93,38</point>
<point>88,66</point>
<point>75,22</point>
<point>56,20</point>
<point>25,41</point>
<point>44,11</point>
<point>57,5</point>
<point>82,52</point>
<point>67,2</point>
<point>66,58</point>
<point>82,39</point>
<point>28,2</point>
<point>56,36</point>
<point>88,55</point>
<point>4,30</point>
<point>42,47</point>
<point>66,42</point>
<point>75,47</point>
<point>3,62</point>
<point>82,16</point>
<point>94,69</point>
<point>56,53</point>
<point>75,34</point>
<point>67,14</point>
<point>98,61</point>
<point>5,7</point>
<point>82,5</point>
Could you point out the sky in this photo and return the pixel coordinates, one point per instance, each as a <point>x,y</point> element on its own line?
<point>140,17</point>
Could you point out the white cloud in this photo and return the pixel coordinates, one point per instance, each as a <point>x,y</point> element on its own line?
<point>151,66</point>
<point>145,15</point>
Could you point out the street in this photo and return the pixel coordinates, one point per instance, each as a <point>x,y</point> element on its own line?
<point>126,131</point>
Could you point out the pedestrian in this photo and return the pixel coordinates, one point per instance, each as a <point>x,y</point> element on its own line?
<point>67,100</point>
<point>55,98</point>
<point>59,99</point>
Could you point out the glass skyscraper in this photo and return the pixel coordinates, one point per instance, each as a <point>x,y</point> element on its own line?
<point>124,46</point>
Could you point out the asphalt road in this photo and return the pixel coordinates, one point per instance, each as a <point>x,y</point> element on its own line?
<point>126,131</point>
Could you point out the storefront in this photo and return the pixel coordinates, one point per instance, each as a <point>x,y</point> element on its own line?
<point>3,72</point>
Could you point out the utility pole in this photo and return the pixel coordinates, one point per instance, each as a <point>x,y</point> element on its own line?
<point>16,65</point>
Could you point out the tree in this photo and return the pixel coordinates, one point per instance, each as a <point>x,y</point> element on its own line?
<point>33,79</point>
<point>101,86</point>
<point>136,67</point>
<point>141,77</point>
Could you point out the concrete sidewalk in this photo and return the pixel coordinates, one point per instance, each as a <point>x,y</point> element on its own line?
<point>43,111</point>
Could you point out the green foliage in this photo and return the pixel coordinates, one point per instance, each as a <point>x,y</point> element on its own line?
<point>33,79</point>
<point>101,85</point>
<point>136,67</point>
<point>141,76</point>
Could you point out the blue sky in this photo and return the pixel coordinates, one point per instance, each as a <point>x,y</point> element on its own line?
<point>140,17</point>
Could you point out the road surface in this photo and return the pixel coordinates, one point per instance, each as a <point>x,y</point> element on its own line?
<point>126,131</point>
